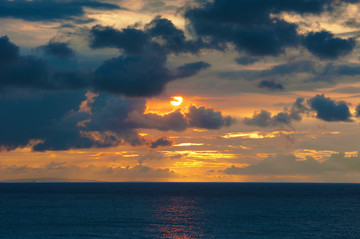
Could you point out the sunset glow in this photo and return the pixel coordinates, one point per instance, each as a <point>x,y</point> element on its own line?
<point>180,90</point>
<point>176,100</point>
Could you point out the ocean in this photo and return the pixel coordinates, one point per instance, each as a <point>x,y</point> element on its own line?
<point>179,210</point>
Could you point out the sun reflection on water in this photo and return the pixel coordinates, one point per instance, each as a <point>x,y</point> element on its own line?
<point>178,217</point>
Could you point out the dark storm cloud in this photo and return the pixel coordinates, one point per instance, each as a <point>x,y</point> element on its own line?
<point>271,85</point>
<point>32,72</point>
<point>207,118</point>
<point>32,114</point>
<point>175,40</point>
<point>249,25</point>
<point>289,165</point>
<point>61,121</point>
<point>141,50</point>
<point>135,41</point>
<point>129,39</point>
<point>161,142</point>
<point>133,75</point>
<point>122,75</point>
<point>55,119</point>
<point>50,10</point>
<point>330,110</point>
<point>57,49</point>
<point>326,46</point>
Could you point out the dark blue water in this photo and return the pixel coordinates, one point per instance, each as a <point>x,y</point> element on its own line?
<point>179,210</point>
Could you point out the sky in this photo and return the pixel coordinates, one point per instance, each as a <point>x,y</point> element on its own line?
<point>269,89</point>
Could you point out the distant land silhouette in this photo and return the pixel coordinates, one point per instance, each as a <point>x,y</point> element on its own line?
<point>46,180</point>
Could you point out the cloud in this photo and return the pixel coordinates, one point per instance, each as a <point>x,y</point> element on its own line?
<point>55,171</point>
<point>271,85</point>
<point>265,119</point>
<point>121,75</point>
<point>253,28</point>
<point>50,10</point>
<point>171,121</point>
<point>299,74</point>
<point>175,40</point>
<point>325,46</point>
<point>31,115</point>
<point>130,40</point>
<point>246,60</point>
<point>358,110</point>
<point>326,109</point>
<point>281,70</point>
<point>290,165</point>
<point>9,52</point>
<point>329,110</point>
<point>82,120</point>
<point>177,121</point>
<point>136,41</point>
<point>57,49</point>
<point>161,142</point>
<point>207,118</point>
<point>32,72</point>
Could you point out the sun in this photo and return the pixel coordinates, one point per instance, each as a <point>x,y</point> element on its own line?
<point>176,100</point>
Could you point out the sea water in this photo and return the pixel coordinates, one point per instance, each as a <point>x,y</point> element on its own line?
<point>179,210</point>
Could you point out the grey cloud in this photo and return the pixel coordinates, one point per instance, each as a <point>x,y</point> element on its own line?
<point>326,46</point>
<point>271,85</point>
<point>246,60</point>
<point>358,110</point>
<point>50,10</point>
<point>57,49</point>
<point>251,27</point>
<point>285,118</point>
<point>207,118</point>
<point>161,142</point>
<point>330,110</point>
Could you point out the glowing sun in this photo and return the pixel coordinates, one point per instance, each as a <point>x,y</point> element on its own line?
<point>176,100</point>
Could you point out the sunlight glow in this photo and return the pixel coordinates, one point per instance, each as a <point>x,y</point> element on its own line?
<point>176,100</point>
